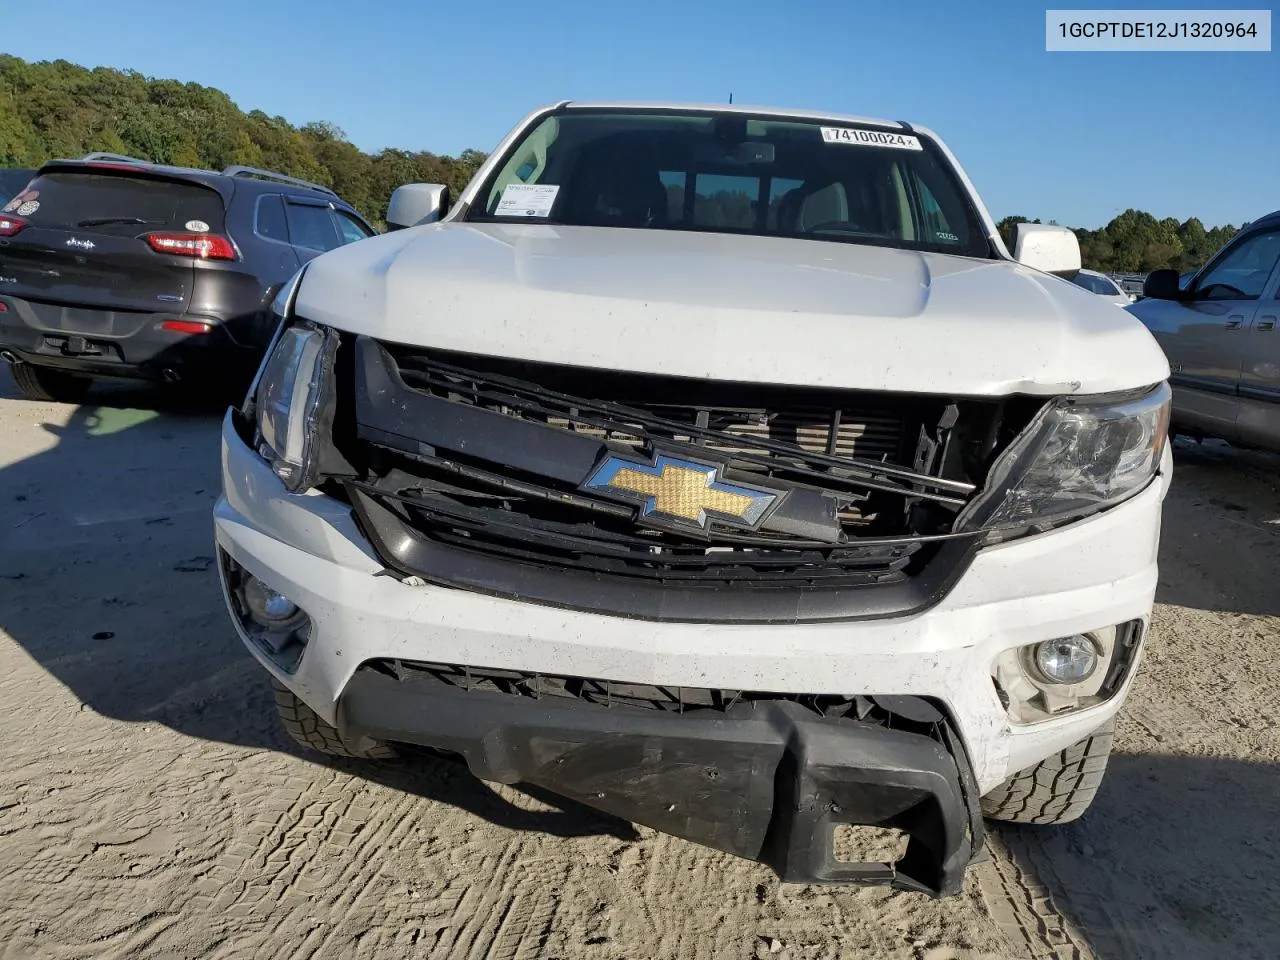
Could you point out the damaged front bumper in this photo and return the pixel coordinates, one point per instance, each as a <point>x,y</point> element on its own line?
<point>768,780</point>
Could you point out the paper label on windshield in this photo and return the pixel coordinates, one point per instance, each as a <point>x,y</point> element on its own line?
<point>527,200</point>
<point>870,138</point>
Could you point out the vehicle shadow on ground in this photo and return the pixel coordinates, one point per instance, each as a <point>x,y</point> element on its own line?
<point>1220,542</point>
<point>107,580</point>
<point>446,779</point>
<point>1177,858</point>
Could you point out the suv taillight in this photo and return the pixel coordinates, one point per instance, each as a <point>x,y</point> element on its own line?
<point>201,245</point>
<point>11,225</point>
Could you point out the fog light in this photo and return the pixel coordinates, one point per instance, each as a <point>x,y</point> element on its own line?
<point>1067,659</point>
<point>265,605</point>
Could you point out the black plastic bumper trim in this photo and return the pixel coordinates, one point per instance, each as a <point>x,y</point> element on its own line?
<point>764,780</point>
<point>412,553</point>
<point>144,353</point>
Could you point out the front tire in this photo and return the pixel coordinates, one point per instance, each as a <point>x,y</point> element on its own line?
<point>42,383</point>
<point>1058,789</point>
<point>308,730</point>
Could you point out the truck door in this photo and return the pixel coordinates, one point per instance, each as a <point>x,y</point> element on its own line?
<point>1259,418</point>
<point>1206,335</point>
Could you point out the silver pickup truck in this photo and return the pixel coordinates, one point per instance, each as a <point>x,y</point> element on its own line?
<point>1218,330</point>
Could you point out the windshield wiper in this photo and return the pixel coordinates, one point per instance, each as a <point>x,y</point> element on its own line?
<point>99,221</point>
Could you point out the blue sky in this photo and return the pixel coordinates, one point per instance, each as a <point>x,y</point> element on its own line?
<point>1075,137</point>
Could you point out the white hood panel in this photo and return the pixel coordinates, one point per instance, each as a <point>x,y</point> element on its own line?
<point>727,307</point>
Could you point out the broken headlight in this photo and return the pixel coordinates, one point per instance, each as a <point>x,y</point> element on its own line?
<point>1076,456</point>
<point>290,400</point>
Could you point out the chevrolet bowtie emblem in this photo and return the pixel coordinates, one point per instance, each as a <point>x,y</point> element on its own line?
<point>681,493</point>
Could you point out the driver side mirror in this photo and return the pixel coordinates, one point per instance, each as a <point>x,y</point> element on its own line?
<point>417,203</point>
<point>1163,285</point>
<point>1043,246</point>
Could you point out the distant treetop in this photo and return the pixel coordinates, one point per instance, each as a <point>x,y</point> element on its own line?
<point>60,109</point>
<point>1136,242</point>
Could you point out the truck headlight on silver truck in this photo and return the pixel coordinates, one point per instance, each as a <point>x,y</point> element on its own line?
<point>1078,455</point>
<point>290,400</point>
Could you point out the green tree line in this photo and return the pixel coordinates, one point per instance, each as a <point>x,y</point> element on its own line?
<point>1136,242</point>
<point>60,109</point>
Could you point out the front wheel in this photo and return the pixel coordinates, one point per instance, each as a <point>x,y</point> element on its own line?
<point>42,383</point>
<point>1058,789</point>
<point>308,730</point>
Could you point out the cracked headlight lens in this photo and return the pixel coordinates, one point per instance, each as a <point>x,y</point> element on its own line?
<point>1077,456</point>
<point>289,401</point>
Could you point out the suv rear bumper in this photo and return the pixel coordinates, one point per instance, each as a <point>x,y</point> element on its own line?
<point>768,780</point>
<point>106,343</point>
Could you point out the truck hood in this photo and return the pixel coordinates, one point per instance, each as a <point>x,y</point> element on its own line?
<point>730,307</point>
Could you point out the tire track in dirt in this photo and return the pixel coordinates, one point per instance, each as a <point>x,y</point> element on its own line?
<point>1024,910</point>
<point>325,863</point>
<point>485,905</point>
<point>107,870</point>
<point>675,874</point>
<point>519,914</point>
<point>1031,866</point>
<point>277,876</point>
<point>360,840</point>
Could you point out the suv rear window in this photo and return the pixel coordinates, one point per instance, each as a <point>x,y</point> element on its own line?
<point>119,204</point>
<point>12,181</point>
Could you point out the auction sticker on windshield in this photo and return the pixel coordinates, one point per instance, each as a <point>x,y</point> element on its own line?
<point>527,200</point>
<point>870,138</point>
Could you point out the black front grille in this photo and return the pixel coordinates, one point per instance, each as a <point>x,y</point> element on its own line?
<point>610,546</point>
<point>475,469</point>
<point>805,433</point>
<point>846,433</point>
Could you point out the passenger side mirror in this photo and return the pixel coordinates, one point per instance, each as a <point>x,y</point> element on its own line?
<point>1163,285</point>
<point>417,203</point>
<point>1046,247</point>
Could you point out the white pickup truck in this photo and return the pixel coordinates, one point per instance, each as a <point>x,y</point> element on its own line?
<point>719,468</point>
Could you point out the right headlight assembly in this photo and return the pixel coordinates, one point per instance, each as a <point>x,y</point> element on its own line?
<point>1078,455</point>
<point>291,401</point>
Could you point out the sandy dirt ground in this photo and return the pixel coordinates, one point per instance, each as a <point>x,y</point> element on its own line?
<point>150,806</point>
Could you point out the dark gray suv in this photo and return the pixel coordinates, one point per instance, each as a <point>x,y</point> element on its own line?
<point>115,267</point>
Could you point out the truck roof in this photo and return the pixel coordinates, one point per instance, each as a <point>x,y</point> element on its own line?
<point>734,108</point>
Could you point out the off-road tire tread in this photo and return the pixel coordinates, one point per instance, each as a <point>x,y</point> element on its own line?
<point>1059,789</point>
<point>307,729</point>
<point>54,386</point>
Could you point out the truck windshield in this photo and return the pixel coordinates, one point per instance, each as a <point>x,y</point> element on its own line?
<point>734,173</point>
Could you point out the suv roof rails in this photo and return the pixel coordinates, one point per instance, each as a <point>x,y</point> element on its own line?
<point>236,170</point>
<point>113,156</point>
